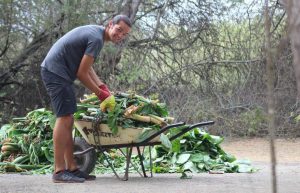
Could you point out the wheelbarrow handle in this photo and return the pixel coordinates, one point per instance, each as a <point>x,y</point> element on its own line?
<point>201,124</point>
<point>190,128</point>
<point>161,131</point>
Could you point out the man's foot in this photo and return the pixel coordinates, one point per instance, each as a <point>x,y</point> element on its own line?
<point>82,174</point>
<point>66,177</point>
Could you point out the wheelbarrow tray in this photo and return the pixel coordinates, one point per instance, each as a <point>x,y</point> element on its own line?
<point>105,135</point>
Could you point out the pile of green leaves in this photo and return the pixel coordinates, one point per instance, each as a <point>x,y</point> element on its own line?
<point>197,151</point>
<point>26,143</point>
<point>116,117</point>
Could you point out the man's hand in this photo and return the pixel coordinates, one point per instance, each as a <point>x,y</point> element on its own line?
<point>103,95</point>
<point>109,102</point>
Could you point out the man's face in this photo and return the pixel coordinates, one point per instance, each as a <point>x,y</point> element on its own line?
<point>118,32</point>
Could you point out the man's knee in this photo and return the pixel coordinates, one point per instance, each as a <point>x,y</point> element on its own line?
<point>69,117</point>
<point>67,120</point>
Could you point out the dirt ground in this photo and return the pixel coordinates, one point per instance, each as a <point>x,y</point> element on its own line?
<point>256,150</point>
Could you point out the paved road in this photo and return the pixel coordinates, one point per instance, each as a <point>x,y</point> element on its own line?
<point>288,182</point>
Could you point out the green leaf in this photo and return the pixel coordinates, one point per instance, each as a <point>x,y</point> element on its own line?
<point>3,131</point>
<point>201,166</point>
<point>48,154</point>
<point>189,166</point>
<point>216,139</point>
<point>183,158</point>
<point>52,120</point>
<point>197,157</point>
<point>113,118</point>
<point>182,141</point>
<point>176,145</point>
<point>146,109</point>
<point>146,133</point>
<point>206,159</point>
<point>165,141</point>
<point>228,157</point>
<point>154,153</point>
<point>14,132</point>
<point>243,168</point>
<point>161,109</point>
<point>174,158</point>
<point>160,159</point>
<point>77,114</point>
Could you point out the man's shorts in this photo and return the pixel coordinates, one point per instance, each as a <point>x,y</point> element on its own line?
<point>61,93</point>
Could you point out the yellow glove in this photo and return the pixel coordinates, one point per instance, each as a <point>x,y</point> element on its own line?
<point>108,103</point>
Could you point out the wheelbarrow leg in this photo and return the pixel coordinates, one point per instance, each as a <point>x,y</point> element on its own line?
<point>132,164</point>
<point>128,158</point>
<point>141,161</point>
<point>151,166</point>
<point>110,164</point>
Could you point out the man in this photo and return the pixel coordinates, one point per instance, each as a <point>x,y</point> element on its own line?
<point>69,58</point>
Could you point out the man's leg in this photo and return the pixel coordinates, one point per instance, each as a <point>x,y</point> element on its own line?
<point>69,157</point>
<point>63,103</point>
<point>62,134</point>
<point>69,150</point>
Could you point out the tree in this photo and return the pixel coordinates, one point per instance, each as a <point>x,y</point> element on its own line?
<point>292,8</point>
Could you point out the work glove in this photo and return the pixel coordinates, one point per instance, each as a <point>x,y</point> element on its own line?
<point>108,103</point>
<point>104,87</point>
<point>103,95</point>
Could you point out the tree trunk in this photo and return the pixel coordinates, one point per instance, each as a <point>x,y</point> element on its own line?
<point>270,96</point>
<point>293,10</point>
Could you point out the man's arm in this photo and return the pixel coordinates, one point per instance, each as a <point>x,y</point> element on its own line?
<point>95,77</point>
<point>84,74</point>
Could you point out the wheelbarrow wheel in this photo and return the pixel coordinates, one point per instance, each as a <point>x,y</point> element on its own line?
<point>87,161</point>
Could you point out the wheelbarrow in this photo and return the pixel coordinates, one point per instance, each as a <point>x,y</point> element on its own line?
<point>97,138</point>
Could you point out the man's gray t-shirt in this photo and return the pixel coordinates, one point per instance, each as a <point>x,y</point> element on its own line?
<point>65,55</point>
